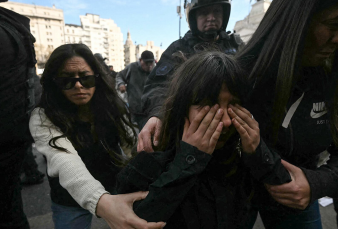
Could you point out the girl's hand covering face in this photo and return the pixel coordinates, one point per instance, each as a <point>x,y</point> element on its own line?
<point>246,126</point>
<point>204,129</point>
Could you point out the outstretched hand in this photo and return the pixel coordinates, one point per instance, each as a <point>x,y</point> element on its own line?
<point>117,211</point>
<point>246,126</point>
<point>204,130</point>
<point>151,128</point>
<point>295,194</point>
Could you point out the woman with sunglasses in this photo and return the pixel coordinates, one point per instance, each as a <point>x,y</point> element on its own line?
<point>79,127</point>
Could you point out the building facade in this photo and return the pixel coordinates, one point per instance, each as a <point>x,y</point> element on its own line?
<point>248,26</point>
<point>101,36</point>
<point>133,52</point>
<point>47,26</point>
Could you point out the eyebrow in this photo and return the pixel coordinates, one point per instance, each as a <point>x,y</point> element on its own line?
<point>72,73</point>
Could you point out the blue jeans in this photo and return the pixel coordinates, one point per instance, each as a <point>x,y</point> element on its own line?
<point>65,217</point>
<point>308,219</point>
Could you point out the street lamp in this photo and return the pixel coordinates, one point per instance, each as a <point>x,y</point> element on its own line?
<point>180,15</point>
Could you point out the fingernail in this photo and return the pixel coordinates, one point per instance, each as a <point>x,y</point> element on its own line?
<point>220,111</point>
<point>207,108</point>
<point>155,143</point>
<point>216,106</point>
<point>230,110</point>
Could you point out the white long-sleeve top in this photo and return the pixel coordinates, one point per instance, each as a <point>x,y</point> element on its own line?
<point>72,172</point>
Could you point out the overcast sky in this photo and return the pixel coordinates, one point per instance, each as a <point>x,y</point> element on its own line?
<point>154,20</point>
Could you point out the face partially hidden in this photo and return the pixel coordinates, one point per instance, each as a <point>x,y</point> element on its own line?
<point>224,99</point>
<point>147,66</point>
<point>209,18</point>
<point>322,38</point>
<point>77,67</point>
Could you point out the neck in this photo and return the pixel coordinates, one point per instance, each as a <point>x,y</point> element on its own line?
<point>84,113</point>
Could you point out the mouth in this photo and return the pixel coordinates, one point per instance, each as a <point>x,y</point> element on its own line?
<point>80,95</point>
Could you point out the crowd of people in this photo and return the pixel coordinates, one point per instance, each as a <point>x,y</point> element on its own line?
<point>227,130</point>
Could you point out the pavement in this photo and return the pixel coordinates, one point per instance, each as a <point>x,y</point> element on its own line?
<point>36,201</point>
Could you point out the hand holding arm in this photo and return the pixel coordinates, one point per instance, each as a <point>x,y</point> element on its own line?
<point>295,194</point>
<point>151,128</point>
<point>117,211</point>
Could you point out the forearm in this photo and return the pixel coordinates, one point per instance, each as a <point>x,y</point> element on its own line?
<point>323,181</point>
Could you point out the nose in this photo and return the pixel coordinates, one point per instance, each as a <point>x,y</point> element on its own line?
<point>225,118</point>
<point>78,84</point>
<point>211,16</point>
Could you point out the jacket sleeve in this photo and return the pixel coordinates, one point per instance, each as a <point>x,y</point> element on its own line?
<point>168,184</point>
<point>69,167</point>
<point>155,87</point>
<point>121,77</point>
<point>324,180</point>
<point>265,165</point>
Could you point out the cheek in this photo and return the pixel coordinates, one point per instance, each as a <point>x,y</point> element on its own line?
<point>66,94</point>
<point>318,37</point>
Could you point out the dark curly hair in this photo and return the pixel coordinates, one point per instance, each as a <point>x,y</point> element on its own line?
<point>109,111</point>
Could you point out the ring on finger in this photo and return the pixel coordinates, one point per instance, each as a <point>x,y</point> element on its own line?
<point>252,116</point>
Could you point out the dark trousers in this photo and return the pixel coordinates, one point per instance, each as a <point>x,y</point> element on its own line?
<point>11,209</point>
<point>30,167</point>
<point>335,205</point>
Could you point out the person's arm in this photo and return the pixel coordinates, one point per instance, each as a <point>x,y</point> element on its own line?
<point>154,93</point>
<point>121,79</point>
<point>167,187</point>
<point>68,166</point>
<point>82,186</point>
<point>323,181</point>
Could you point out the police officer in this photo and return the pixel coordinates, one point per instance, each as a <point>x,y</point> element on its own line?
<point>207,20</point>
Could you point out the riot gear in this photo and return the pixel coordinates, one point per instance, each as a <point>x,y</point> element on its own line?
<point>191,6</point>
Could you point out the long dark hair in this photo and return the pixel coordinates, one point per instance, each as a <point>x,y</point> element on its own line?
<point>198,81</point>
<point>275,51</point>
<point>109,111</point>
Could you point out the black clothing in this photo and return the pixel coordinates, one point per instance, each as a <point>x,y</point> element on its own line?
<point>17,60</point>
<point>154,91</point>
<point>300,142</point>
<point>191,189</point>
<point>96,159</point>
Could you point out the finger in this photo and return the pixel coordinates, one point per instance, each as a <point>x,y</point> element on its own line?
<point>215,136</point>
<point>138,223</point>
<point>157,132</point>
<point>244,115</point>
<point>139,143</point>
<point>145,135</point>
<point>136,196</point>
<point>195,123</point>
<point>214,124</point>
<point>252,131</point>
<point>204,125</point>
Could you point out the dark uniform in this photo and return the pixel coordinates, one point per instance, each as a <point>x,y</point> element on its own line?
<point>156,84</point>
<point>17,59</point>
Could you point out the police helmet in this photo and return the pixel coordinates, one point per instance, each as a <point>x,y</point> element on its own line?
<point>192,5</point>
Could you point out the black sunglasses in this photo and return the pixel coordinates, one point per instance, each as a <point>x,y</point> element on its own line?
<point>66,83</point>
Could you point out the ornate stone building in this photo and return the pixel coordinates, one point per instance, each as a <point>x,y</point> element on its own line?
<point>47,26</point>
<point>133,52</point>
<point>250,23</point>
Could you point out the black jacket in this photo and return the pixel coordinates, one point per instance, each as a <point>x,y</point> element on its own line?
<point>189,188</point>
<point>154,91</point>
<point>301,140</point>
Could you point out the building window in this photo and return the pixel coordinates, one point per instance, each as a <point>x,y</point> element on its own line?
<point>73,30</point>
<point>67,30</point>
